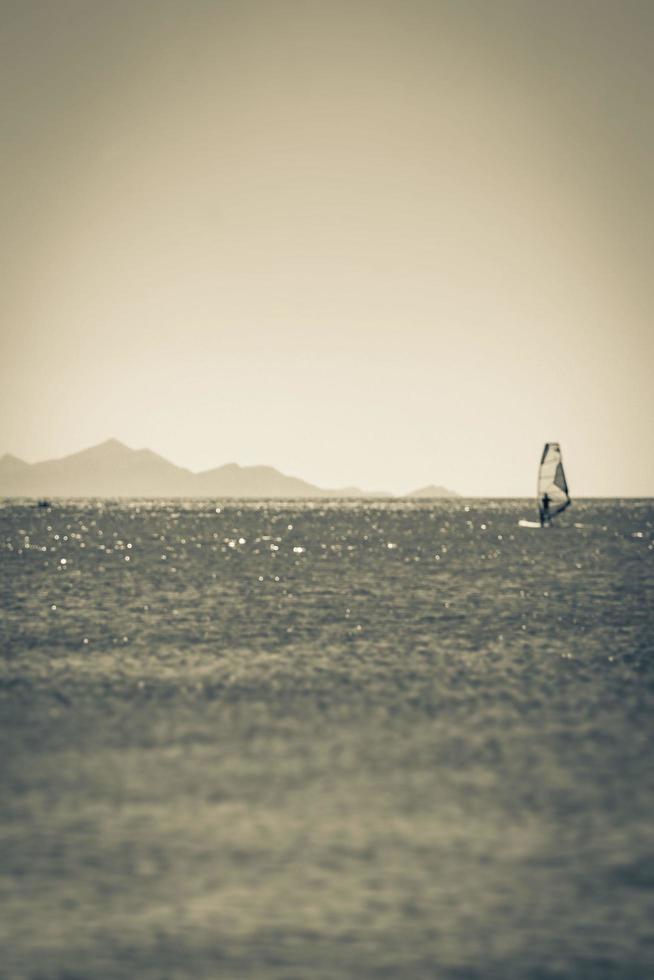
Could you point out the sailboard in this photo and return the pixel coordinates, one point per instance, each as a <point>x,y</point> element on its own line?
<point>553,494</point>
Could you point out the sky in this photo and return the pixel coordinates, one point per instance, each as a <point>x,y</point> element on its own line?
<point>375,242</point>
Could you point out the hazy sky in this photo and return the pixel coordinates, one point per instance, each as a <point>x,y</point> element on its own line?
<point>382,242</point>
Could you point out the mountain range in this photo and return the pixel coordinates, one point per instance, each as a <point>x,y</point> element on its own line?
<point>112,469</point>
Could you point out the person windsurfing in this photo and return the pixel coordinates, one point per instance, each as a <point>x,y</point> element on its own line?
<point>545,510</point>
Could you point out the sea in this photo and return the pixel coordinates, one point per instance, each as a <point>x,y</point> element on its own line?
<point>326,740</point>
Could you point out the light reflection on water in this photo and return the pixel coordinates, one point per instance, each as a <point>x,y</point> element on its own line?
<point>249,573</point>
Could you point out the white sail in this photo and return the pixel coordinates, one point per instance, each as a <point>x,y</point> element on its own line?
<point>553,495</point>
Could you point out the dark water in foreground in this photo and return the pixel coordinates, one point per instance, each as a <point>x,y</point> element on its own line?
<point>326,741</point>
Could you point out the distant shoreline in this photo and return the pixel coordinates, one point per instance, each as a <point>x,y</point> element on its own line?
<point>114,470</point>
<point>367,498</point>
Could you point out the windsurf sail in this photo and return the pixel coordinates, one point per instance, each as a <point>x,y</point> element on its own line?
<point>553,494</point>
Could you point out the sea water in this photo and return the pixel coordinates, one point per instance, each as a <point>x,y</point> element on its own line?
<point>318,740</point>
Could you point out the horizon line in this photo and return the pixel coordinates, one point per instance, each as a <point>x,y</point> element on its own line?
<point>370,494</point>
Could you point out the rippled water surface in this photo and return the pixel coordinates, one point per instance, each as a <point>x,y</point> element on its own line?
<point>317,740</point>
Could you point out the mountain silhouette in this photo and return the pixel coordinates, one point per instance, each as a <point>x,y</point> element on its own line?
<point>431,492</point>
<point>112,469</point>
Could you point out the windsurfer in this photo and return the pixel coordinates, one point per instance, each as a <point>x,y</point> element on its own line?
<point>545,510</point>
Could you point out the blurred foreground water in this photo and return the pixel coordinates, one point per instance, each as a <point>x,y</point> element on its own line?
<point>350,740</point>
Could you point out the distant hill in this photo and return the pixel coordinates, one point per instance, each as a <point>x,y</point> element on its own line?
<point>108,470</point>
<point>112,469</point>
<point>430,492</point>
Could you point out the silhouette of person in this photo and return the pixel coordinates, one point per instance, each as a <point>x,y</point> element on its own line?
<point>545,510</point>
